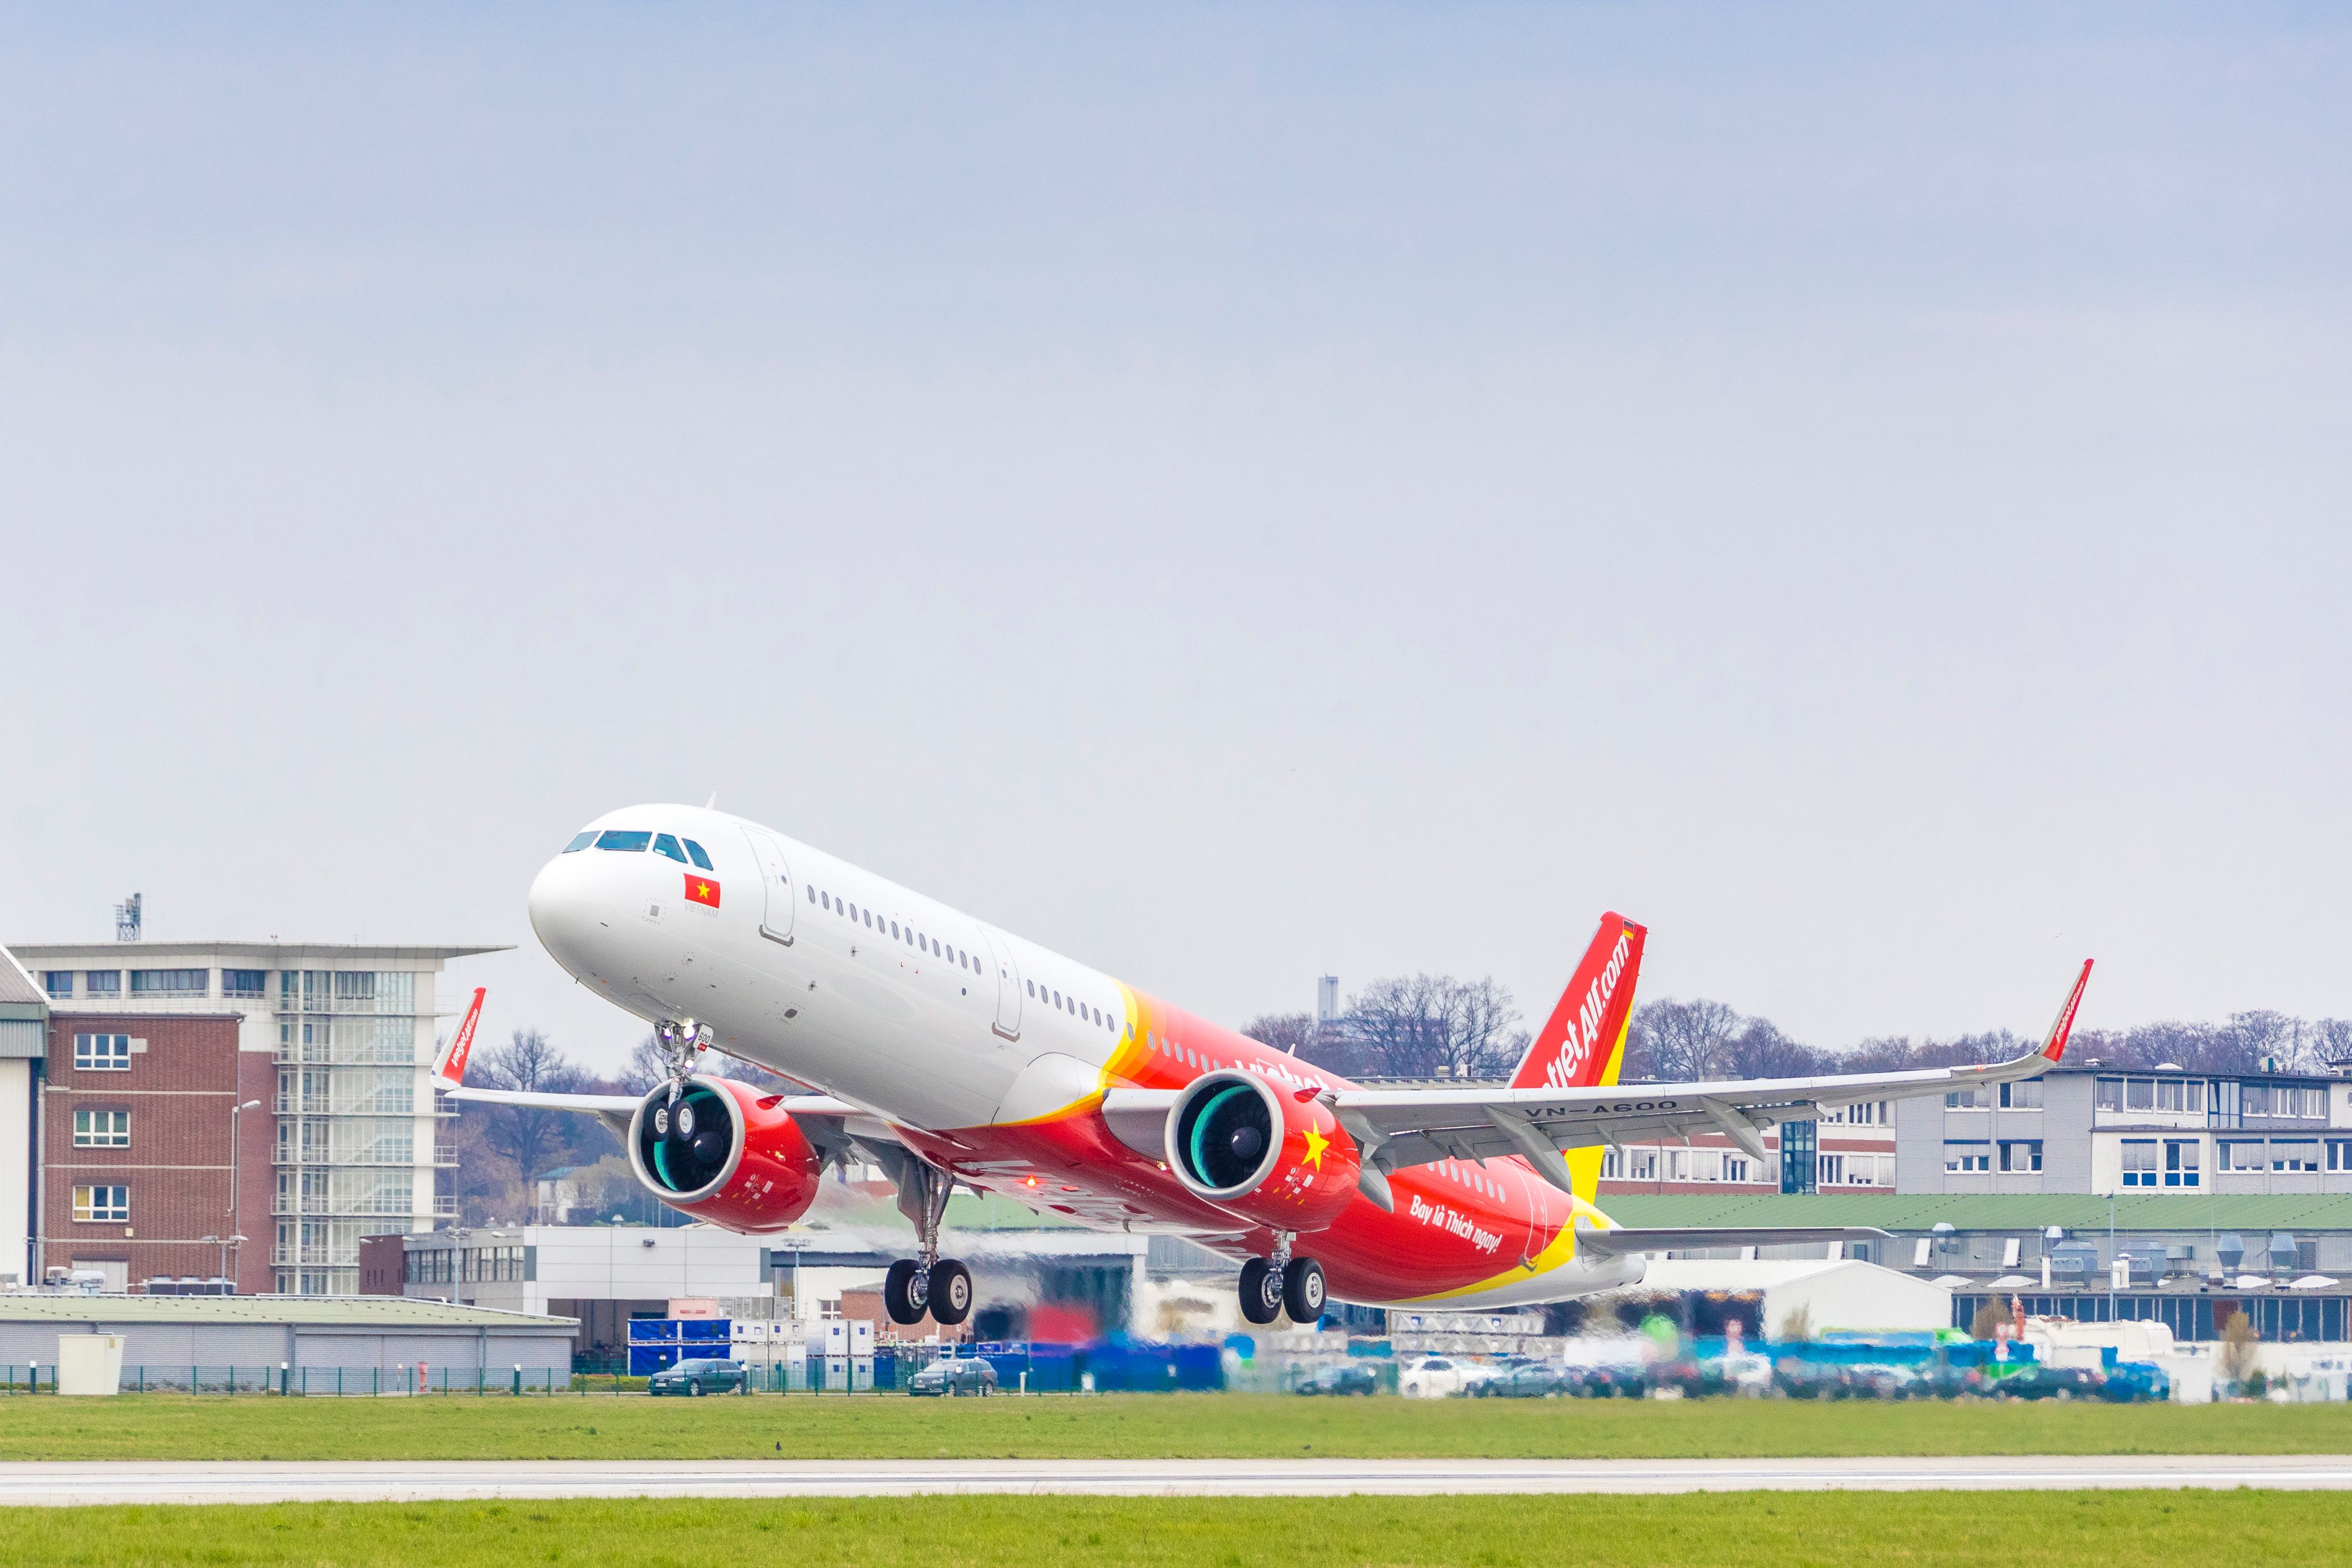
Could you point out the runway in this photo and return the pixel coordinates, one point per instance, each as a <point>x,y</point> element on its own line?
<point>53,1484</point>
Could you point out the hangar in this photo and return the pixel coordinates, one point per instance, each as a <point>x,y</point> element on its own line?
<point>354,1333</point>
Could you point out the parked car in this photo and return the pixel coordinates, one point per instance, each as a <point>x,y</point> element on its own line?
<point>697,1378</point>
<point>955,1376</point>
<point>1348,1377</point>
<point>1432,1377</point>
<point>2052,1383</point>
<point>1526,1380</point>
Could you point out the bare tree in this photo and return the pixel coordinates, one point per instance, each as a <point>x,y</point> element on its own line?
<point>1292,1032</point>
<point>1761,1051</point>
<point>1684,1041</point>
<point>1434,1026</point>
<point>526,1134</point>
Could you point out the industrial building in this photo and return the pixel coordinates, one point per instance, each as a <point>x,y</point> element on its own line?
<point>180,1335</point>
<point>329,1097</point>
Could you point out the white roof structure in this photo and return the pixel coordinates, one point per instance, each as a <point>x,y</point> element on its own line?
<point>1836,1293</point>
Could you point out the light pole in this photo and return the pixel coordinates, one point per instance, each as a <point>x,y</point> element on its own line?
<point>236,1146</point>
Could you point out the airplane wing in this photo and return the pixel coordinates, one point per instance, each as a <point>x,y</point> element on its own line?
<point>616,1110</point>
<point>1397,1128</point>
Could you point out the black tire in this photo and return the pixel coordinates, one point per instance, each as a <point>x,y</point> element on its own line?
<point>1302,1291</point>
<point>950,1293</point>
<point>898,1292</point>
<point>1260,1291</point>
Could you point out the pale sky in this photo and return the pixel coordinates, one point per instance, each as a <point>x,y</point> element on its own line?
<point>1232,493</point>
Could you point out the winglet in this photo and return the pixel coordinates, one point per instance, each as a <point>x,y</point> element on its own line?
<point>449,1067</point>
<point>2055,1046</point>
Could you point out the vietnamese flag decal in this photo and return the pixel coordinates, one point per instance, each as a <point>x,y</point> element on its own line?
<point>701,890</point>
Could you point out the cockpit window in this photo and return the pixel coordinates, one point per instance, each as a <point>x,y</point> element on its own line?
<point>629,844</point>
<point>666,845</point>
<point>701,860</point>
<point>581,840</point>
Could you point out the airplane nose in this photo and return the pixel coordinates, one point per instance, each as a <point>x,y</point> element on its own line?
<point>561,910</point>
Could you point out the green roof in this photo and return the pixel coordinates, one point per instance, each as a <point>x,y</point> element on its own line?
<point>1994,1211</point>
<point>307,1312</point>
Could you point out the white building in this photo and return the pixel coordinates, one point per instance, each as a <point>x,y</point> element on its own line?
<point>357,1138</point>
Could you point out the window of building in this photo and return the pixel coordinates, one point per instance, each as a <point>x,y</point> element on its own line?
<point>2139,1094</point>
<point>666,845</point>
<point>1967,1159</point>
<point>2295,1155</point>
<point>1800,1141</point>
<point>58,983</point>
<point>1829,1170</point>
<point>169,982</point>
<point>1978,1098</point>
<point>2285,1099</point>
<point>701,861</point>
<point>108,1204</point>
<point>2139,1162</point>
<point>2024,1095</point>
<point>243,982</point>
<point>2022,1154</point>
<point>624,842</point>
<point>101,982</point>
<point>102,1129</point>
<point>2239,1154</point>
<point>2181,1158</point>
<point>2339,1154</point>
<point>102,1053</point>
<point>2110,1094</point>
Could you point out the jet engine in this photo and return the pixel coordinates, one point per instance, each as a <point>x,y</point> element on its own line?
<point>725,1152</point>
<point>1268,1154</point>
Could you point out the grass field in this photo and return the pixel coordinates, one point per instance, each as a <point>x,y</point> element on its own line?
<point>2017,1529</point>
<point>1172,1426</point>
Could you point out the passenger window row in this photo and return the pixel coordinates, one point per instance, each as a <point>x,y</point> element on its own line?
<point>884,925</point>
<point>628,842</point>
<point>1093,1015</point>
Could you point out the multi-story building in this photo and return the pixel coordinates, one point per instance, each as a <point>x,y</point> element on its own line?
<point>2091,1130</point>
<point>146,1174</point>
<point>344,1037</point>
<point>23,1040</point>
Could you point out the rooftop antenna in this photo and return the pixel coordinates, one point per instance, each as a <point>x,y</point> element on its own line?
<point>126,920</point>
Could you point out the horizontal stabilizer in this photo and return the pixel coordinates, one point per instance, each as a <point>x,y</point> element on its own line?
<point>1680,1239</point>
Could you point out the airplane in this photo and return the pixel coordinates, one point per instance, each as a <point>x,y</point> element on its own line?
<point>950,1052</point>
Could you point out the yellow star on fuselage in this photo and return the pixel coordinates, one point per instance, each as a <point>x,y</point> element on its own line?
<point>1316,1144</point>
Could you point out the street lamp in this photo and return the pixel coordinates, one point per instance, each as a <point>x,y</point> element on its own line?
<point>235,1171</point>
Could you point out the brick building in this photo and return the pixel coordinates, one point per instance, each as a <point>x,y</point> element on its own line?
<point>155,1151</point>
<point>1848,1148</point>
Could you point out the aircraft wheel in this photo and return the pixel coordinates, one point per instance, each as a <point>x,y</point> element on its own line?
<point>900,1297</point>
<point>950,1293</point>
<point>1302,1291</point>
<point>1260,1291</point>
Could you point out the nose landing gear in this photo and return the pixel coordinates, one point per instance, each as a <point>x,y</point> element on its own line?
<point>682,1044</point>
<point>1271,1286</point>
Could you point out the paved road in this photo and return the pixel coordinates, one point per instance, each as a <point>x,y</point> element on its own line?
<point>400,1481</point>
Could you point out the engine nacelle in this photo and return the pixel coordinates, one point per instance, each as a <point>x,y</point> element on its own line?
<point>1271,1155</point>
<point>725,1152</point>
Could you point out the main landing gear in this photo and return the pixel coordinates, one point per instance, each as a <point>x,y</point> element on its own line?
<point>928,1283</point>
<point>1282,1283</point>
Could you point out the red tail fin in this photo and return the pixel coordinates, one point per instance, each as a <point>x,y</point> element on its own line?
<point>1584,1040</point>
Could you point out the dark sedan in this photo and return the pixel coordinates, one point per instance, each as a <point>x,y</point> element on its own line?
<point>697,1378</point>
<point>955,1376</point>
<point>1351,1377</point>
